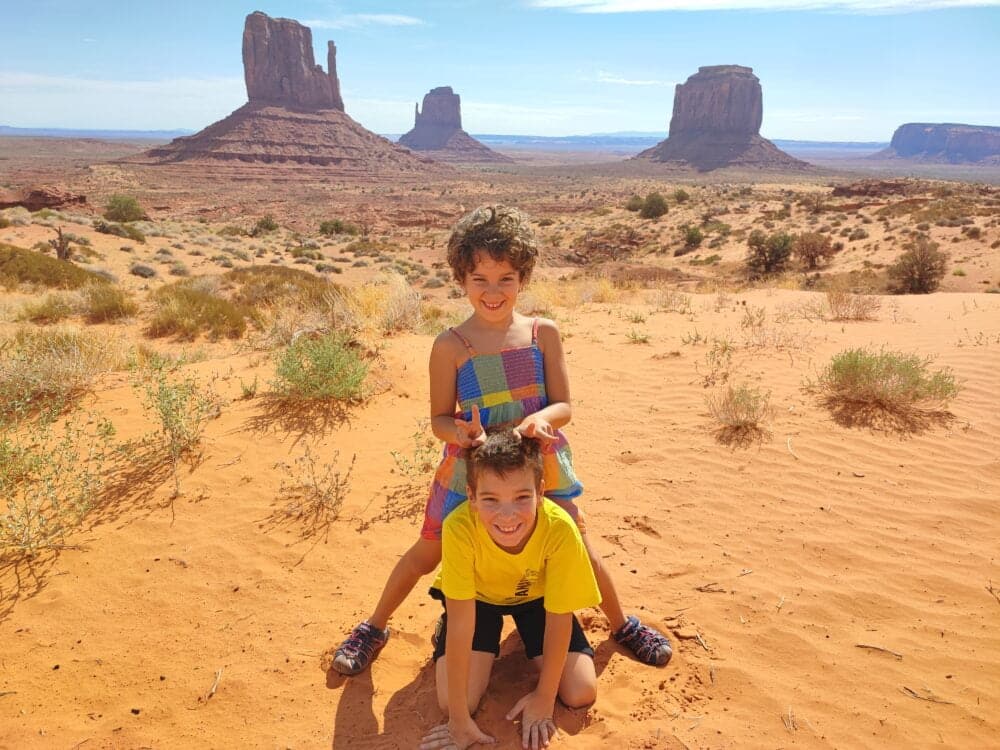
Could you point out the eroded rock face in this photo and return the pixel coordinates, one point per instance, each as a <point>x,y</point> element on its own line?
<point>437,129</point>
<point>279,67</point>
<point>716,123</point>
<point>35,199</point>
<point>945,142</point>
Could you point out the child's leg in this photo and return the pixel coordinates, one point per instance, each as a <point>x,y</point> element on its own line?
<point>480,667</point>
<point>610,605</point>
<point>419,560</point>
<point>578,684</point>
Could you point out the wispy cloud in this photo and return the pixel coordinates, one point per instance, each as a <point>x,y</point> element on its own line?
<point>357,20</point>
<point>843,6</point>
<point>605,77</point>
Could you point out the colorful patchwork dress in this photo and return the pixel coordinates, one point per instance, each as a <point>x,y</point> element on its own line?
<point>506,387</point>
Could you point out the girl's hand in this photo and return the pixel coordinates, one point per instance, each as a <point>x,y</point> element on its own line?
<point>446,737</point>
<point>533,426</point>
<point>470,434</point>
<point>537,726</point>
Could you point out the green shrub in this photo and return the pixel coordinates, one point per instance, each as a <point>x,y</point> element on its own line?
<point>264,225</point>
<point>681,195</point>
<point>768,254</point>
<point>634,203</point>
<point>920,269</point>
<point>119,230</point>
<point>105,302</point>
<point>308,253</point>
<point>187,308</point>
<point>693,236</point>
<point>336,226</point>
<point>123,208</point>
<point>19,266</point>
<point>4,222</point>
<point>740,408</point>
<point>813,250</point>
<point>887,380</point>
<point>653,207</point>
<point>322,368</point>
<point>50,309</point>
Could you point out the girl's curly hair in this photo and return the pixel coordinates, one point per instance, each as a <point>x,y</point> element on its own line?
<point>499,231</point>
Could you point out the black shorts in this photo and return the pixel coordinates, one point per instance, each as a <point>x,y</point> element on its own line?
<point>529,618</point>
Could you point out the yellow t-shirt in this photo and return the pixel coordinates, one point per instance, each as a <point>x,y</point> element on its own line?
<point>553,565</point>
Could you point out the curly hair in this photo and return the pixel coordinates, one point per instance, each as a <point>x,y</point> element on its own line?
<point>499,231</point>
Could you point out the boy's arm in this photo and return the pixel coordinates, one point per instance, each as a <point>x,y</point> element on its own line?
<point>536,708</point>
<point>458,650</point>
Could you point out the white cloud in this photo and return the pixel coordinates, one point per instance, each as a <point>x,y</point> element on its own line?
<point>605,77</point>
<point>357,20</point>
<point>845,6</point>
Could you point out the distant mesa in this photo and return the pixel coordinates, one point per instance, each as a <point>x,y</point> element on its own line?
<point>437,131</point>
<point>947,143</point>
<point>295,113</point>
<point>716,123</point>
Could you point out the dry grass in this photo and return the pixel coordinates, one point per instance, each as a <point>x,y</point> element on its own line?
<point>19,266</point>
<point>379,308</point>
<point>740,412</point>
<point>193,306</point>
<point>845,305</point>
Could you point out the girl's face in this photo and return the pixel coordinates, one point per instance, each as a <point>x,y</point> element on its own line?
<point>492,288</point>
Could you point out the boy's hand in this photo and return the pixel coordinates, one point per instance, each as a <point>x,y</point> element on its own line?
<point>533,426</point>
<point>470,434</point>
<point>537,727</point>
<point>447,737</point>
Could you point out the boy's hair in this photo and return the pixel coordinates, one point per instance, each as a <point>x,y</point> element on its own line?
<point>504,451</point>
<point>499,231</point>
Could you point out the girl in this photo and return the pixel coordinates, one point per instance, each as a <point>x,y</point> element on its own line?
<point>502,368</point>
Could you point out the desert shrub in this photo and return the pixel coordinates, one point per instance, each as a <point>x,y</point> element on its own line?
<point>19,266</point>
<point>189,307</point>
<point>857,234</point>
<point>383,306</point>
<point>142,271</point>
<point>119,230</point>
<point>813,250</point>
<point>177,268</point>
<point>52,365</point>
<point>333,227</point>
<point>740,407</point>
<point>681,195</point>
<point>307,253</point>
<point>231,230</point>
<point>49,480</point>
<point>324,368</point>
<point>653,207</point>
<point>4,222</point>
<point>51,308</point>
<point>768,254</point>
<point>693,236</point>
<point>634,203</point>
<point>317,492</point>
<point>272,285</point>
<point>264,225</point>
<point>888,380</point>
<point>920,269</point>
<point>105,302</point>
<point>845,305</point>
<point>123,208</point>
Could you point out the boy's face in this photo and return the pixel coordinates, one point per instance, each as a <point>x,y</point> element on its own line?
<point>492,287</point>
<point>507,506</point>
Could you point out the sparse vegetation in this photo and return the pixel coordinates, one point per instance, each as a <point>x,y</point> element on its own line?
<point>189,307</point>
<point>845,305</point>
<point>107,302</point>
<point>120,230</point>
<point>264,225</point>
<point>317,493</point>
<point>326,367</point>
<point>634,203</point>
<point>768,254</point>
<point>653,207</point>
<point>740,412</point>
<point>334,227</point>
<point>123,208</point>
<point>813,250</point>
<point>19,266</point>
<point>920,269</point>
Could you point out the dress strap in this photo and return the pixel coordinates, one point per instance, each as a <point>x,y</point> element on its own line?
<point>534,331</point>
<point>465,342</point>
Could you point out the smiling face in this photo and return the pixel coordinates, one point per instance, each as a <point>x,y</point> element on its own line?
<point>507,506</point>
<point>492,287</point>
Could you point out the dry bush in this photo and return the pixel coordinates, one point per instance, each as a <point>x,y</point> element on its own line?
<point>105,302</point>
<point>317,493</point>
<point>43,367</point>
<point>51,308</point>
<point>888,380</point>
<point>192,306</point>
<point>382,307</point>
<point>845,305</point>
<point>19,266</point>
<point>260,286</point>
<point>670,300</point>
<point>740,413</point>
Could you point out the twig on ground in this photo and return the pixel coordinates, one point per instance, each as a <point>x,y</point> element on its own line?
<point>879,648</point>
<point>704,645</point>
<point>230,463</point>
<point>788,444</point>
<point>745,572</point>
<point>995,592</point>
<point>683,743</point>
<point>780,604</point>
<point>930,697</point>
<point>789,721</point>
<point>710,588</point>
<point>215,685</point>
<point>8,692</point>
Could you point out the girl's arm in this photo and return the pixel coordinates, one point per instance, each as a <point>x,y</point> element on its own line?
<point>559,411</point>
<point>538,705</point>
<point>443,373</point>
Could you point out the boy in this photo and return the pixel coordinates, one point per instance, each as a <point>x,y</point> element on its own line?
<point>509,550</point>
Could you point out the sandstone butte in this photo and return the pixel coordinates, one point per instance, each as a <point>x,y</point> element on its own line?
<point>944,143</point>
<point>294,114</point>
<point>437,131</point>
<point>716,123</point>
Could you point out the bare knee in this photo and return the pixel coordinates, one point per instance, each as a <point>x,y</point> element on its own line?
<point>578,695</point>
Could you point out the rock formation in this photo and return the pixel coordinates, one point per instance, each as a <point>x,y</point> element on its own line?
<point>279,68</point>
<point>716,123</point>
<point>437,131</point>
<point>944,142</point>
<point>35,199</point>
<point>294,116</point>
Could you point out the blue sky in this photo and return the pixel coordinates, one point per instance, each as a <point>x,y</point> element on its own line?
<point>830,69</point>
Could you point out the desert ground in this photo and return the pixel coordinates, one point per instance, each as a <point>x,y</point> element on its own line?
<point>827,571</point>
